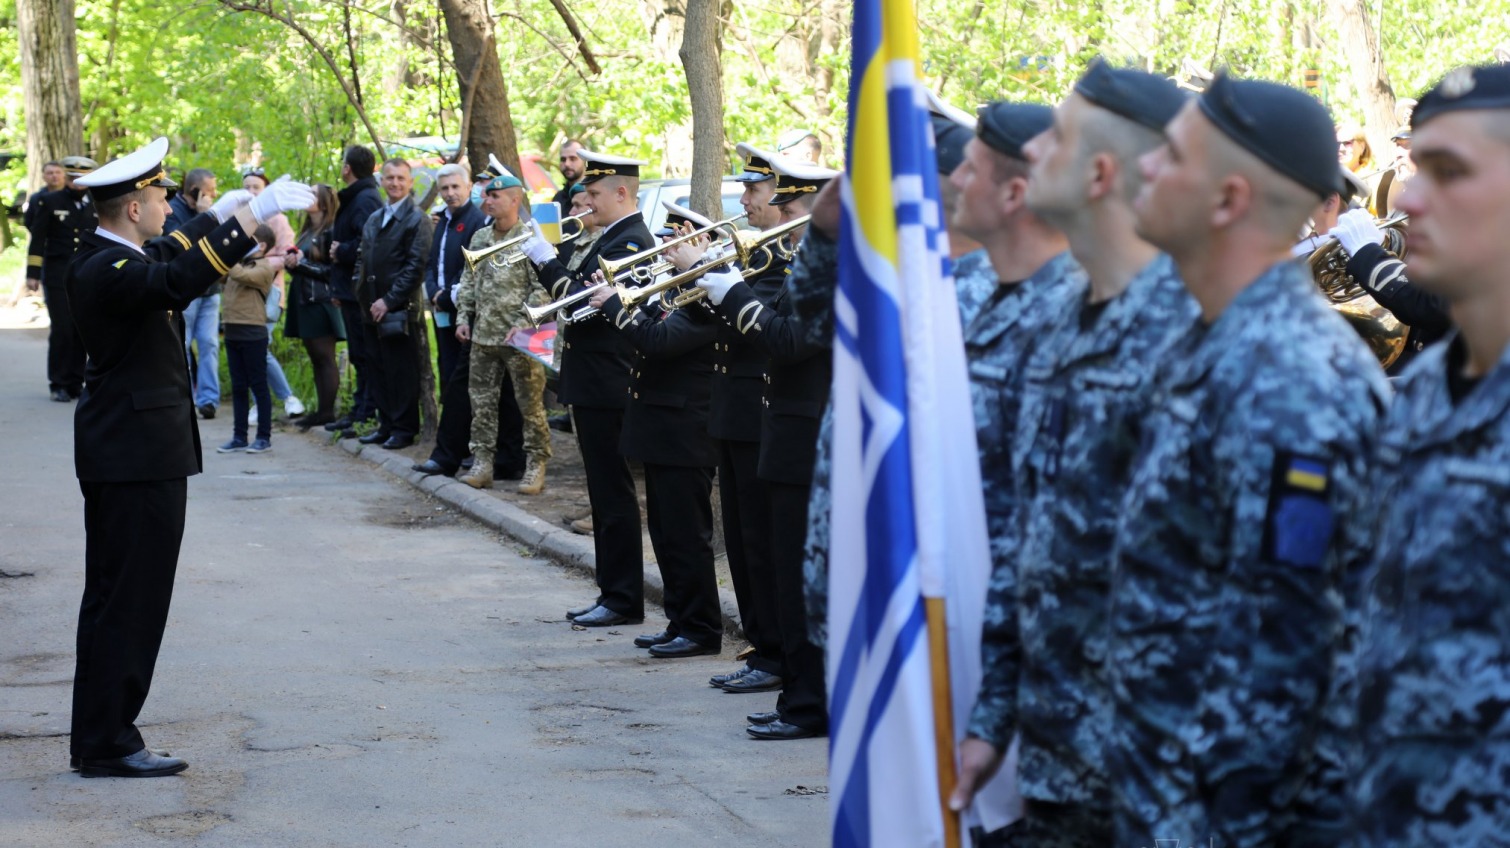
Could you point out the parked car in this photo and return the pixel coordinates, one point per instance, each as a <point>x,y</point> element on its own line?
<point>652,192</point>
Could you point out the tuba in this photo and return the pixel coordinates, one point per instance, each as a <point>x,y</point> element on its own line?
<point>1378,327</point>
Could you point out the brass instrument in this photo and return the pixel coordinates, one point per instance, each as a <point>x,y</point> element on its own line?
<point>634,274</point>
<point>473,257</point>
<point>613,267</point>
<point>745,244</point>
<point>1378,327</point>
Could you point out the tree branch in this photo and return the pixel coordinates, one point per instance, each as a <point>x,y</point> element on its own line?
<point>576,33</point>
<point>352,95</point>
<point>551,41</point>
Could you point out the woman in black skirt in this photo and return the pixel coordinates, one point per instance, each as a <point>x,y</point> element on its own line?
<point>313,315</point>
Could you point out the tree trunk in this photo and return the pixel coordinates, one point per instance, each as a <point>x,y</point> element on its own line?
<point>700,59</point>
<point>469,27</point>
<point>1360,44</point>
<point>50,80</point>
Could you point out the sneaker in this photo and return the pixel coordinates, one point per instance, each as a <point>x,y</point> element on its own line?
<point>233,446</point>
<point>260,446</point>
<point>293,406</point>
<point>251,417</point>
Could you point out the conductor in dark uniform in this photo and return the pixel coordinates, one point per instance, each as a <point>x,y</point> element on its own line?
<point>135,437</point>
<point>594,364</point>
<point>58,220</point>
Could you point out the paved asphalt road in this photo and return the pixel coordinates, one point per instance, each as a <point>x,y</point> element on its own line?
<point>350,664</point>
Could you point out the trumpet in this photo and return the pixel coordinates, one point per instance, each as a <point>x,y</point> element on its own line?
<point>473,257</point>
<point>613,267</point>
<point>744,244</point>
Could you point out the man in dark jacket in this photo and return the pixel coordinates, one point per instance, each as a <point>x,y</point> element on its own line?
<point>127,301</point>
<point>202,317</point>
<point>454,227</point>
<point>359,199</point>
<point>389,272</point>
<point>58,221</point>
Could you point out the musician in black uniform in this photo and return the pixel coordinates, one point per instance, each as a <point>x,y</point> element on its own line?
<point>797,386</point>
<point>1382,275</point>
<point>666,429</point>
<point>594,382</point>
<point>135,437</point>
<point>734,422</point>
<point>58,221</point>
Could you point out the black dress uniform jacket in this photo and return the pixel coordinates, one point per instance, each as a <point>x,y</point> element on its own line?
<point>669,384</point>
<point>59,220</point>
<point>739,370</point>
<point>595,358</point>
<point>1383,276</point>
<point>135,419</point>
<point>797,381</point>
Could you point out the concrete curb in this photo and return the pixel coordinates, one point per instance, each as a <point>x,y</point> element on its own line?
<point>558,543</point>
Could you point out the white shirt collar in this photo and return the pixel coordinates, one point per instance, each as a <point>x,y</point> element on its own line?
<point>106,234</point>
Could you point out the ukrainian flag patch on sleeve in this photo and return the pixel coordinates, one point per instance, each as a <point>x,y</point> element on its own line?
<point>1299,525</point>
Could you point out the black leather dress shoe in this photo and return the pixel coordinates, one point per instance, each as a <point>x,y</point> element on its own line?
<point>376,437</point>
<point>342,423</point>
<point>779,729</point>
<point>721,679</point>
<point>600,616</point>
<point>650,640</point>
<point>143,763</point>
<point>397,442</point>
<point>755,681</point>
<point>429,467</point>
<point>61,395</point>
<point>74,762</point>
<point>573,613</point>
<point>680,647</point>
<point>763,718</point>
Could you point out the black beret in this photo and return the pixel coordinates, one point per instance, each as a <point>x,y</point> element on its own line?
<point>1006,127</point>
<point>1482,87</point>
<point>949,139</point>
<point>1136,95</point>
<point>1285,127</point>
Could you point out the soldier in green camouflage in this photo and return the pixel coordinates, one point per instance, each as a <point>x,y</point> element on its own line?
<point>490,307</point>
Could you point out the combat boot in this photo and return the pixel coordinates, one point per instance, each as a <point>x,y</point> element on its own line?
<point>533,482</point>
<point>480,476</point>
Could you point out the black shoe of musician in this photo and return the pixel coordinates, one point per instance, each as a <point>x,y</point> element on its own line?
<point>763,718</point>
<point>601,617</point>
<point>376,437</point>
<point>650,640</point>
<point>681,647</point>
<point>143,763</point>
<point>779,729</point>
<point>755,681</point>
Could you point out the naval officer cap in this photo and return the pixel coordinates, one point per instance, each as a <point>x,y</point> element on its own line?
<point>1136,95</point>
<point>596,166</point>
<point>77,166</point>
<point>952,129</point>
<point>1008,127</point>
<point>1463,89</point>
<point>494,170</point>
<point>678,215</point>
<point>1287,129</point>
<point>133,172</point>
<point>757,167</point>
<point>794,179</point>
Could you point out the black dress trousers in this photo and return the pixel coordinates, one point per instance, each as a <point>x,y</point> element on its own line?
<point>453,435</point>
<point>362,357</point>
<point>396,383</point>
<point>617,545</point>
<point>804,698</point>
<point>747,542</point>
<point>132,533</point>
<point>65,350</point>
<point>679,516</point>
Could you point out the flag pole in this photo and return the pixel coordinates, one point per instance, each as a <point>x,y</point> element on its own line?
<point>943,715</point>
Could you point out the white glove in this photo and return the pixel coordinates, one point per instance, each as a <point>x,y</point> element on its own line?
<point>718,283</point>
<point>227,204</point>
<point>1355,230</point>
<point>281,196</point>
<point>536,247</point>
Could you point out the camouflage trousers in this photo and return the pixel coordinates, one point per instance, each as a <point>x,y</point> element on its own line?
<point>489,363</point>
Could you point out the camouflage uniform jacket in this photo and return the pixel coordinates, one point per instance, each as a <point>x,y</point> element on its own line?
<point>974,280</point>
<point>1247,504</point>
<point>491,300</point>
<point>1433,677</point>
<point>997,345</point>
<point>1084,397</point>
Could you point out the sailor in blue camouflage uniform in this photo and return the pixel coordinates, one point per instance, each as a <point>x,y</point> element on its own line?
<point>1433,678</point>
<point>1084,395</point>
<point>1037,277</point>
<point>1248,498</point>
